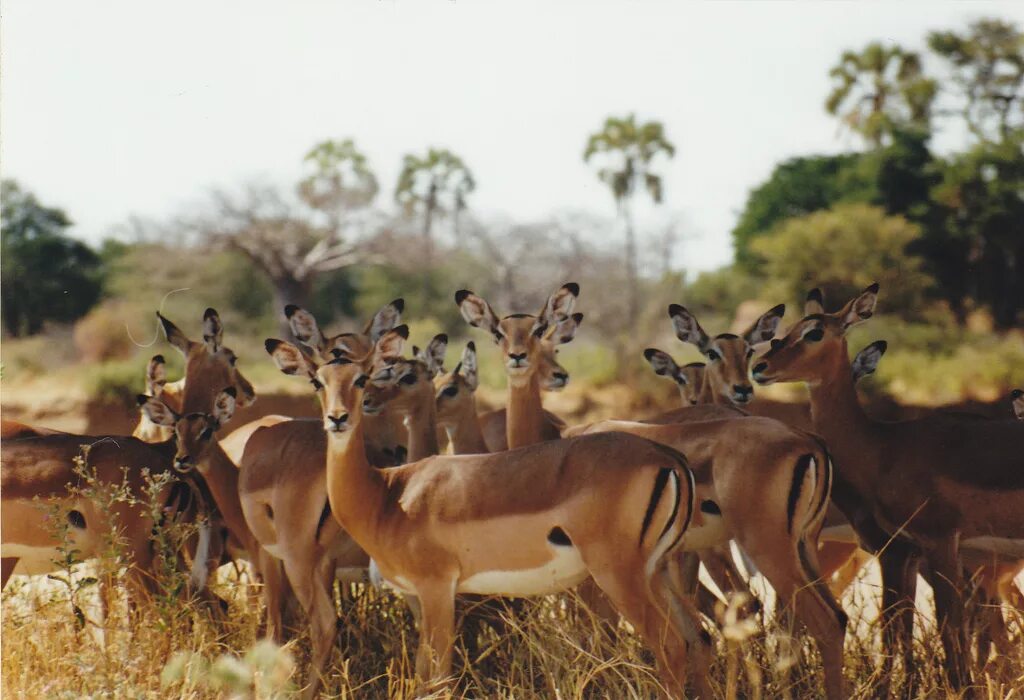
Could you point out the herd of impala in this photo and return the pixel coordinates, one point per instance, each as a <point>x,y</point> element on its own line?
<point>527,506</point>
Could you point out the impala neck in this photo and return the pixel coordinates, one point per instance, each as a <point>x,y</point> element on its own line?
<point>466,436</point>
<point>221,476</point>
<point>422,425</point>
<point>355,489</point>
<point>525,422</point>
<point>839,418</point>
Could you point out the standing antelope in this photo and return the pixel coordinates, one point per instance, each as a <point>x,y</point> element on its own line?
<point>935,480</point>
<point>158,387</point>
<point>40,464</point>
<point>283,492</point>
<point>525,522</point>
<point>525,341</point>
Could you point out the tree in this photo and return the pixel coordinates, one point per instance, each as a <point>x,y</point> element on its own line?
<point>47,276</point>
<point>987,66</point>
<point>879,89</point>
<point>843,250</point>
<point>285,244</point>
<point>981,252</point>
<point>436,184</point>
<point>341,180</point>
<point>628,151</point>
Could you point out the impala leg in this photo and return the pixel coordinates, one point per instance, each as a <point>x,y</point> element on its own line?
<point>898,562</point>
<point>437,632</point>
<point>799,586</point>
<point>271,572</point>
<point>722,570</point>
<point>949,608</point>
<point>313,583</point>
<point>7,565</point>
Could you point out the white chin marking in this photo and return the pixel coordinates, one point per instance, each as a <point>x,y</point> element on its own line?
<point>564,570</point>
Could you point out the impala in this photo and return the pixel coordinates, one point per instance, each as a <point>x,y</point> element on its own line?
<point>526,522</point>
<point>169,393</point>
<point>522,338</point>
<point>284,499</point>
<point>934,481</point>
<point>40,464</point>
<point>767,486</point>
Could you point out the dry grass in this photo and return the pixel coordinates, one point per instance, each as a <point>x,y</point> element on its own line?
<point>553,649</point>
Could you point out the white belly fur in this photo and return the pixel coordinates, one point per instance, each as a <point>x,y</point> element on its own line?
<point>564,570</point>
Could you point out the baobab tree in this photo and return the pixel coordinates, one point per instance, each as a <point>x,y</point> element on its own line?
<point>290,243</point>
<point>627,151</point>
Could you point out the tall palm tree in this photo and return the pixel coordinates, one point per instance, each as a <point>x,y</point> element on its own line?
<point>437,184</point>
<point>340,181</point>
<point>627,151</point>
<point>880,89</point>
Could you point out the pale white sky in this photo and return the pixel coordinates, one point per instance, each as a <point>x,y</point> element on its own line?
<point>113,108</point>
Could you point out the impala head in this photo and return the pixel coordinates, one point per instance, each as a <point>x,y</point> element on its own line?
<point>1017,397</point>
<point>156,375</point>
<point>521,336</point>
<point>455,390</point>
<point>193,431</point>
<point>406,385</point>
<point>728,355</point>
<point>353,345</point>
<point>338,381</point>
<point>689,378</point>
<point>208,364</point>
<point>815,346</point>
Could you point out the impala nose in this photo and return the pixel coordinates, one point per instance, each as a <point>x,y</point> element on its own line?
<point>183,464</point>
<point>517,360</point>
<point>337,424</point>
<point>742,392</point>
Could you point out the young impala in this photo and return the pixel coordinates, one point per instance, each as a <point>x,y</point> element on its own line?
<point>935,481</point>
<point>526,522</point>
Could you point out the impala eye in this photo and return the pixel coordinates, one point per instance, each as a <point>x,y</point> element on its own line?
<point>317,385</point>
<point>450,391</point>
<point>713,355</point>
<point>814,335</point>
<point>361,380</point>
<point>408,379</point>
<point>750,353</point>
<point>206,434</point>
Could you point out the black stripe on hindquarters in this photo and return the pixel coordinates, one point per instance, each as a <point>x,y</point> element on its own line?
<point>324,514</point>
<point>659,488</point>
<point>799,472</point>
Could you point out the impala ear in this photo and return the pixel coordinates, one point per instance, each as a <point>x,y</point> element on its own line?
<point>288,358</point>
<point>477,312</point>
<point>224,406</point>
<point>389,316</point>
<point>763,329</point>
<point>157,411</point>
<point>433,354</point>
<point>559,305</point>
<point>859,309</point>
<point>663,364</point>
<point>213,330</point>
<point>565,330</point>
<point>686,326</point>
<point>174,335</point>
<point>156,375</point>
<point>391,343</point>
<point>304,327</point>
<point>866,361</point>
<point>468,366</point>
<point>814,303</point>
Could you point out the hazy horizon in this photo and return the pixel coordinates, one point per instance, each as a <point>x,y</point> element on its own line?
<point>119,109</point>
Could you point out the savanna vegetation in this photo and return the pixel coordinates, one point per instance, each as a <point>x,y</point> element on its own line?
<point>943,233</point>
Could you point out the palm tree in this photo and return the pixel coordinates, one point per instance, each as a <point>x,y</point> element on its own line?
<point>628,150</point>
<point>880,89</point>
<point>437,184</point>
